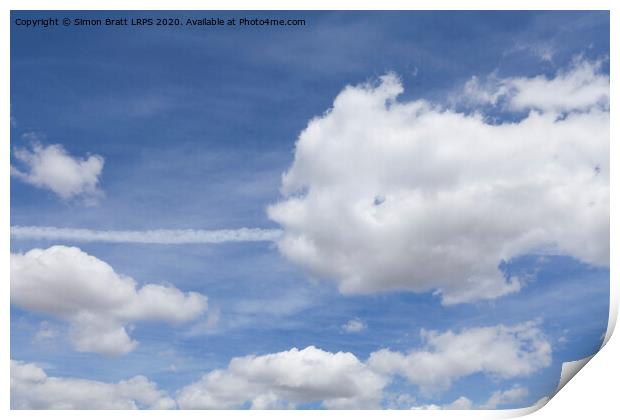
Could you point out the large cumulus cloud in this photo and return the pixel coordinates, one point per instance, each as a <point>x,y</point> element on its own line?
<point>405,195</point>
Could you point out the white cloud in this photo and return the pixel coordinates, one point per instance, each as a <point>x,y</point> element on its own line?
<point>340,380</point>
<point>46,331</point>
<point>461,403</point>
<point>398,401</point>
<point>285,379</point>
<point>477,92</point>
<point>353,326</point>
<point>391,195</point>
<point>544,51</point>
<point>578,88</point>
<point>497,399</point>
<point>97,302</point>
<point>499,351</point>
<point>158,236</point>
<point>52,167</point>
<point>427,407</point>
<point>500,398</point>
<point>32,389</point>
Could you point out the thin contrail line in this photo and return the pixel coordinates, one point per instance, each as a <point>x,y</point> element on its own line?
<point>157,236</point>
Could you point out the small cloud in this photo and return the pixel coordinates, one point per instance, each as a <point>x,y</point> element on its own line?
<point>546,56</point>
<point>213,318</point>
<point>502,398</point>
<point>545,52</point>
<point>210,324</point>
<point>497,399</point>
<point>353,326</point>
<point>99,304</point>
<point>394,401</point>
<point>580,87</point>
<point>32,136</point>
<point>53,168</point>
<point>46,331</point>
<point>461,403</point>
<point>166,353</point>
<point>563,338</point>
<point>13,120</point>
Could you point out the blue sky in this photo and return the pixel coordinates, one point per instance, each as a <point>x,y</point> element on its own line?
<point>196,127</point>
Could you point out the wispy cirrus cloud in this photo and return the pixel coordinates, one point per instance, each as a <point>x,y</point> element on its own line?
<point>156,236</point>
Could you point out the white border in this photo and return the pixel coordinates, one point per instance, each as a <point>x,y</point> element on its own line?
<point>593,394</point>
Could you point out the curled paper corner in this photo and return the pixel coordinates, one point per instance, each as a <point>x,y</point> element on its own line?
<point>520,412</point>
<point>569,370</point>
<point>613,316</point>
